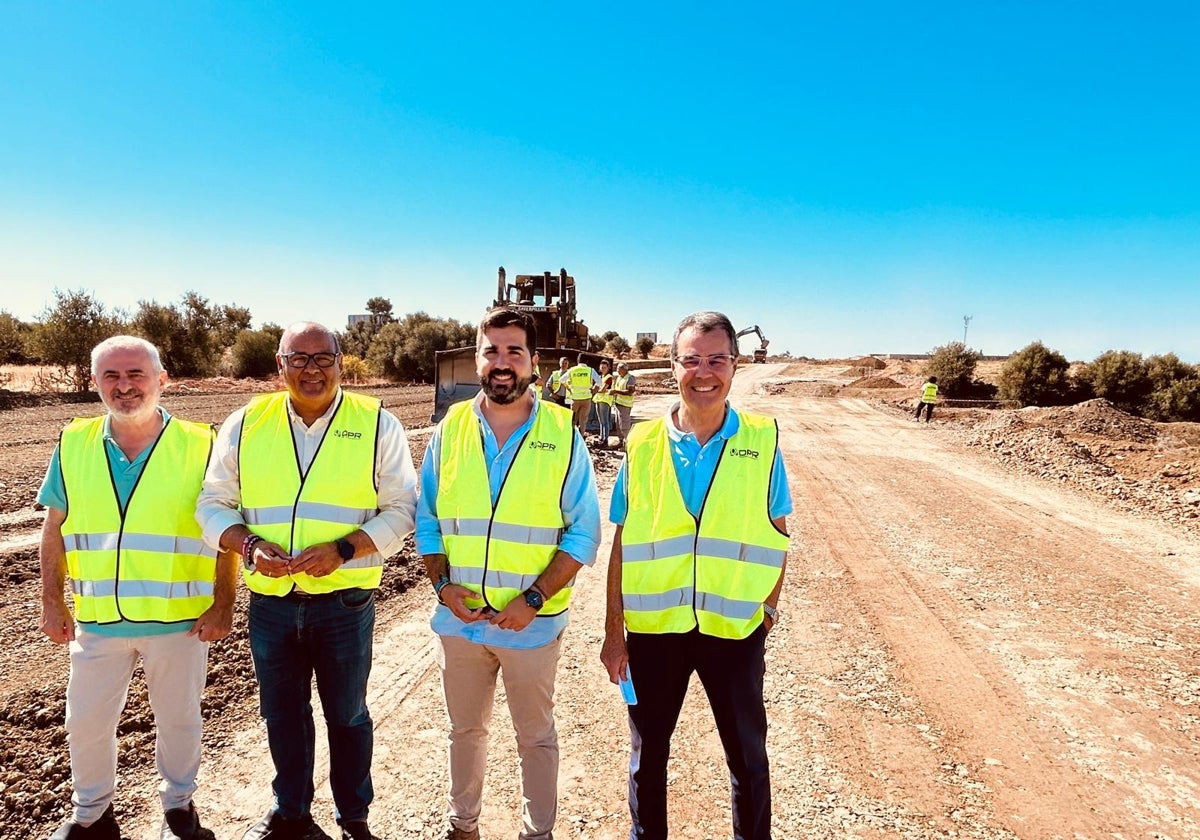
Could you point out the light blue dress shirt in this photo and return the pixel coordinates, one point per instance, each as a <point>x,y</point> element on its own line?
<point>580,539</point>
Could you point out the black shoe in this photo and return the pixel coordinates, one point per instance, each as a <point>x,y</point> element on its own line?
<point>104,828</point>
<point>180,824</point>
<point>275,827</point>
<point>357,830</point>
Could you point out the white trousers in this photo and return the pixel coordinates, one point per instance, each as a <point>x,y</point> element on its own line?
<point>101,668</point>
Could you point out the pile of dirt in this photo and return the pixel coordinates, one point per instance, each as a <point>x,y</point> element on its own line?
<point>875,382</point>
<point>1099,449</point>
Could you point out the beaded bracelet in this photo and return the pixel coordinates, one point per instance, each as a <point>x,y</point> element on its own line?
<point>248,544</point>
<point>441,584</point>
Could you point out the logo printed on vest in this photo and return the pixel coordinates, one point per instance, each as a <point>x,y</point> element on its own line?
<point>742,453</point>
<point>351,435</point>
<point>541,444</point>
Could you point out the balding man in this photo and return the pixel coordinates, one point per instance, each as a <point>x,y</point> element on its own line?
<point>144,585</point>
<point>314,486</point>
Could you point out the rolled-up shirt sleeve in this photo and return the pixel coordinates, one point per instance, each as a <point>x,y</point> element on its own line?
<point>429,531</point>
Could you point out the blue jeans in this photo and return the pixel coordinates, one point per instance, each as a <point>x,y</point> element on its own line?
<point>604,414</point>
<point>291,639</point>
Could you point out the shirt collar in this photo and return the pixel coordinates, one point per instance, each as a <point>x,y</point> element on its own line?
<point>728,429</point>
<point>324,418</point>
<point>108,421</point>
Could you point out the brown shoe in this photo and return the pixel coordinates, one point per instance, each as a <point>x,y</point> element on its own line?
<point>458,834</point>
<point>104,828</point>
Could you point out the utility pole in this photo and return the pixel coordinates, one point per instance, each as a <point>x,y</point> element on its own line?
<point>966,323</point>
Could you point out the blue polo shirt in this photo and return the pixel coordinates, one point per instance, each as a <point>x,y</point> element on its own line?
<point>695,466</point>
<point>125,475</point>
<point>580,539</point>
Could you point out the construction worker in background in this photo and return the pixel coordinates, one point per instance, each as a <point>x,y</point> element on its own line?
<point>145,586</point>
<point>314,486</point>
<point>929,392</point>
<point>694,576</point>
<point>580,381</point>
<point>623,388</point>
<point>508,515</point>
<point>556,385</point>
<point>603,400</point>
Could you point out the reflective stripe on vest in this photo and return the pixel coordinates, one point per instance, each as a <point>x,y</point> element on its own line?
<point>677,575</point>
<point>604,397</point>
<point>929,392</point>
<point>622,382</point>
<point>331,500</point>
<point>148,562</point>
<point>499,554</point>
<point>580,383</point>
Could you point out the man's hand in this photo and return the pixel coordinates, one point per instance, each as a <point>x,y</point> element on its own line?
<point>615,656</point>
<point>317,560</point>
<point>57,622</point>
<point>213,624</point>
<point>516,615</point>
<point>270,560</point>
<point>455,597</point>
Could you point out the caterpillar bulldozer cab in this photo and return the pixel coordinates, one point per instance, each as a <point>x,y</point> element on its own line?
<point>550,300</point>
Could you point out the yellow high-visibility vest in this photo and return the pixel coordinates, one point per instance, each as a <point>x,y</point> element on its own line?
<point>678,573</point>
<point>929,392</point>
<point>335,496</point>
<point>622,382</point>
<point>499,553</point>
<point>579,380</point>
<point>604,397</point>
<point>146,563</point>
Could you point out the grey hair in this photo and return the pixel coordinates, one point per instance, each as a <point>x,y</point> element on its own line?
<point>706,322</point>
<point>308,326</point>
<point>127,342</point>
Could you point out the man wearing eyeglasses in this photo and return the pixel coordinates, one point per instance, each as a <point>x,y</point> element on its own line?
<point>694,576</point>
<point>314,486</point>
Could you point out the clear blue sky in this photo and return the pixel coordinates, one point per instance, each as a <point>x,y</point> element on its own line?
<point>853,177</point>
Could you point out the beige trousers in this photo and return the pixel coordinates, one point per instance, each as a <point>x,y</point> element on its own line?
<point>101,667</point>
<point>469,682</point>
<point>582,409</point>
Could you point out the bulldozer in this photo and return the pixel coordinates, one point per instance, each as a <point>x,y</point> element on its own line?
<point>760,353</point>
<point>550,299</point>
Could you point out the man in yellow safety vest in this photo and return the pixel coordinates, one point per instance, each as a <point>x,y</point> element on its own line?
<point>581,379</point>
<point>695,573</point>
<point>144,584</point>
<point>928,399</point>
<point>314,486</point>
<point>508,515</point>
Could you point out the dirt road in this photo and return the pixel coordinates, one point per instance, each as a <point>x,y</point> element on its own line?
<point>961,653</point>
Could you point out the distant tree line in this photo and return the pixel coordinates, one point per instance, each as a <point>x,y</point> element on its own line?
<point>1159,387</point>
<point>199,338</point>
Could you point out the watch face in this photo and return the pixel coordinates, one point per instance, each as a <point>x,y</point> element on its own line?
<point>533,599</point>
<point>345,549</point>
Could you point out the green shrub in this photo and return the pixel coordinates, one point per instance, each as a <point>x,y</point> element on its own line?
<point>1036,375</point>
<point>1119,376</point>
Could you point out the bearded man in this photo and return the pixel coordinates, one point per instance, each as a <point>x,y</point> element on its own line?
<point>508,513</point>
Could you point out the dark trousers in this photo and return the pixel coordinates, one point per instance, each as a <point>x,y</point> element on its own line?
<point>928,411</point>
<point>291,640</point>
<point>731,671</point>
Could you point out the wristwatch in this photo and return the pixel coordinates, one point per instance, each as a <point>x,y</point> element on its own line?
<point>534,598</point>
<point>772,613</point>
<point>345,549</point>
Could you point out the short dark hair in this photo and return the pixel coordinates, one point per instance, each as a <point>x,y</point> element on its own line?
<point>499,317</point>
<point>706,322</point>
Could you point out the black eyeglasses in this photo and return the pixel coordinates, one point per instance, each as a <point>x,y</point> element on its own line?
<point>301,360</point>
